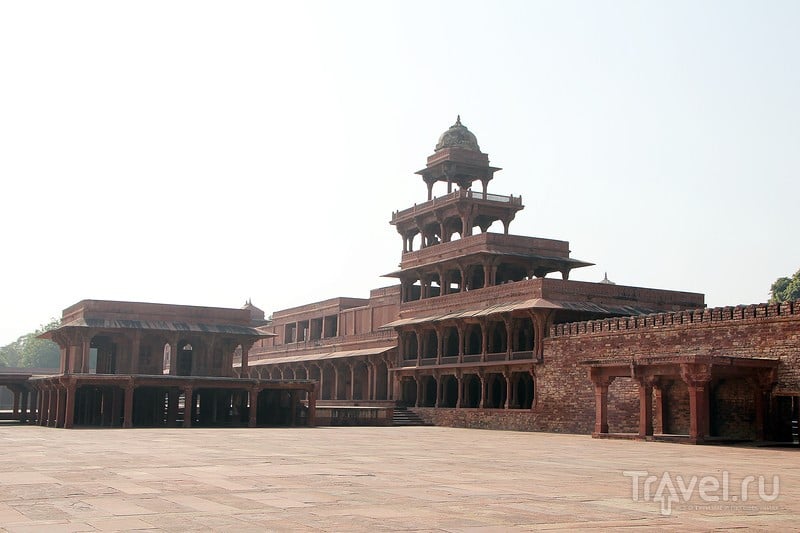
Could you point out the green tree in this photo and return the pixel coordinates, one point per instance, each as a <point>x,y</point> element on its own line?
<point>32,352</point>
<point>785,289</point>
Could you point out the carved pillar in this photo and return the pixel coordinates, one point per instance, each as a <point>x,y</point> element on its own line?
<point>172,407</point>
<point>507,375</point>
<point>311,415</point>
<point>69,409</point>
<point>645,406</point>
<point>509,323</point>
<point>482,378</point>
<point>52,408</point>
<point>418,335</point>
<point>460,381</point>
<point>484,338</point>
<point>61,407</point>
<point>418,379</point>
<point>601,384</point>
<point>439,342</point>
<point>128,417</point>
<point>252,393</point>
<point>245,372</point>
<point>188,406</point>
<point>697,378</point>
<point>460,328</point>
<point>487,275</point>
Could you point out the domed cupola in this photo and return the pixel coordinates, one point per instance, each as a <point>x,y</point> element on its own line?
<point>458,136</point>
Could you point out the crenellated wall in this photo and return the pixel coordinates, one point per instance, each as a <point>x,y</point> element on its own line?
<point>565,395</point>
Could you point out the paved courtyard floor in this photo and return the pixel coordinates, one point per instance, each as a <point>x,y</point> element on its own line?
<point>373,479</point>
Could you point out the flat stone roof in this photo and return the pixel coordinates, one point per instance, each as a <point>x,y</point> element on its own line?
<point>372,479</point>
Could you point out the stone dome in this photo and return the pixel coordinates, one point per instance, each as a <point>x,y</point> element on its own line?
<point>458,136</point>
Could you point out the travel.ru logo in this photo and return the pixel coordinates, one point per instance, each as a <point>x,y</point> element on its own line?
<point>712,490</point>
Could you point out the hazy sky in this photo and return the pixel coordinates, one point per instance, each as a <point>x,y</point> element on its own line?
<point>205,153</point>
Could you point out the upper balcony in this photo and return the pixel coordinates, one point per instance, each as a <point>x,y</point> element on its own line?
<point>453,199</point>
<point>495,243</point>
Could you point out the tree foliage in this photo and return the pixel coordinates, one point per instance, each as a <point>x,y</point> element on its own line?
<point>785,289</point>
<point>31,352</point>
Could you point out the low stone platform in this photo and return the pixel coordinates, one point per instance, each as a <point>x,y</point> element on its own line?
<point>379,478</point>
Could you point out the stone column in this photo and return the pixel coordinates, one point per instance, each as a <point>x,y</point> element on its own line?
<point>509,323</point>
<point>253,412</point>
<point>312,407</point>
<point>482,377</point>
<point>23,415</point>
<point>697,378</point>
<point>460,329</point>
<point>61,407</point>
<point>52,409</point>
<point>601,384</point>
<point>15,408</point>
<point>188,406</point>
<point>459,380</point>
<point>645,407</point>
<point>484,338</point>
<point>418,379</point>
<point>128,417</point>
<point>172,407</point>
<point>439,343</point>
<point>69,409</point>
<point>438,378</point>
<point>507,375</point>
<point>245,373</point>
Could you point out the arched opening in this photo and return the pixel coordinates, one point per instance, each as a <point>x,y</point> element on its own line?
<point>476,278</point>
<point>497,337</point>
<point>102,355</point>
<point>509,273</point>
<point>381,381</point>
<point>450,341</point>
<point>496,391</point>
<point>408,391</point>
<point>523,390</point>
<point>474,340</point>
<point>472,391</point>
<point>429,391</point>
<point>450,391</point>
<point>360,381</point>
<point>410,346</point>
<point>523,335</point>
<point>165,362</point>
<point>328,382</point>
<point>343,380</point>
<point>185,358</point>
<point>429,341</point>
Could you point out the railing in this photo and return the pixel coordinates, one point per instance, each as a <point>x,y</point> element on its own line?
<point>457,195</point>
<point>679,318</point>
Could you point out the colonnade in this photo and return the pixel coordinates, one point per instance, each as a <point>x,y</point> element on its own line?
<point>482,388</point>
<point>498,337</point>
<point>65,402</point>
<point>346,378</point>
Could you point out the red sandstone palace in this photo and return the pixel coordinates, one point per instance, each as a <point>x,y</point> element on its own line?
<point>475,335</point>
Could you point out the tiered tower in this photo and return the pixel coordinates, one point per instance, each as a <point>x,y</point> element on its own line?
<point>451,257</point>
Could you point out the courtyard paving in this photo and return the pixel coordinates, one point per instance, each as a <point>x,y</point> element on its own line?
<point>391,479</point>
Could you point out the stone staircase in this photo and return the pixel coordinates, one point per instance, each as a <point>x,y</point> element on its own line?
<point>403,417</point>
